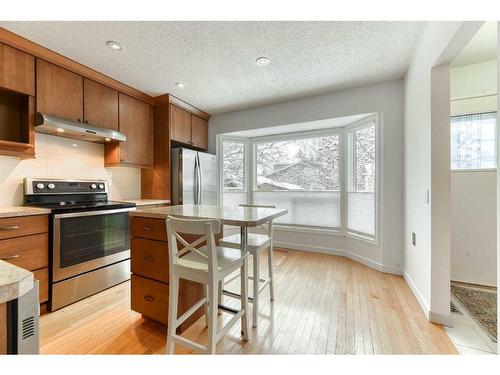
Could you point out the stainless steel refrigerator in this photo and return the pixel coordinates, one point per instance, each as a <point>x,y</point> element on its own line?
<point>194,177</point>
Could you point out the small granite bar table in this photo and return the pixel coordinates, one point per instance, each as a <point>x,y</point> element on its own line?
<point>243,217</point>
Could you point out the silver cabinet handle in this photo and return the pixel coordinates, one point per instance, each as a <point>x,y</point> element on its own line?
<point>148,258</point>
<point>10,227</point>
<point>10,257</point>
<point>149,298</point>
<point>148,228</point>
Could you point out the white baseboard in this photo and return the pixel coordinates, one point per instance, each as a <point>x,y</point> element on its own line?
<point>416,292</point>
<point>441,319</point>
<point>430,315</point>
<point>325,250</point>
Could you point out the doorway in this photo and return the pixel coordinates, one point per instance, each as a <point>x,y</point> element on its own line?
<point>473,154</point>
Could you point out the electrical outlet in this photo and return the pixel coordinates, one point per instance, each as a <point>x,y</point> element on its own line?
<point>413,239</point>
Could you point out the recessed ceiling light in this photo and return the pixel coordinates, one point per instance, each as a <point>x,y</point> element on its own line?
<point>179,85</point>
<point>262,61</point>
<point>74,145</point>
<point>107,139</point>
<point>113,45</point>
<point>60,130</point>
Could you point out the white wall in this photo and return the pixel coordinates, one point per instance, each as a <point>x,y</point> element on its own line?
<point>473,89</point>
<point>426,166</point>
<point>474,218</point>
<point>56,157</point>
<point>386,98</point>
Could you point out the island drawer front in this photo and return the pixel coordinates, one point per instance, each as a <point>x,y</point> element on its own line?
<point>30,252</point>
<point>42,276</point>
<point>150,298</point>
<point>144,227</point>
<point>149,258</point>
<point>23,226</point>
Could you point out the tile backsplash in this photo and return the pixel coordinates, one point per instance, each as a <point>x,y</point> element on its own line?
<point>58,157</point>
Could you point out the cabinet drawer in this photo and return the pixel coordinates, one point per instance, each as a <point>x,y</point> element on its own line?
<point>149,258</point>
<point>150,298</point>
<point>42,276</point>
<point>154,229</point>
<point>23,226</point>
<point>30,252</point>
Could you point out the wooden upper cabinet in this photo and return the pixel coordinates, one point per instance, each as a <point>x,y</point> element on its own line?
<point>59,92</point>
<point>17,70</point>
<point>136,122</point>
<point>199,132</point>
<point>180,125</point>
<point>100,105</point>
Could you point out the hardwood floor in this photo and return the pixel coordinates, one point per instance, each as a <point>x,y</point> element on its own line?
<point>324,304</point>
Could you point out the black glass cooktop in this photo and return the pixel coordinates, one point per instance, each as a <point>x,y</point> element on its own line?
<point>72,206</point>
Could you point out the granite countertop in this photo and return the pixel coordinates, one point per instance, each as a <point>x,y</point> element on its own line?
<point>14,281</point>
<point>230,215</point>
<point>22,211</point>
<point>145,202</point>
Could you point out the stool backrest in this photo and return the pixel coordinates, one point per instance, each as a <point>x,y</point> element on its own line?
<point>205,228</point>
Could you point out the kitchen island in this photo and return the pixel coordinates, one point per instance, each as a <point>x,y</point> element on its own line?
<point>149,254</point>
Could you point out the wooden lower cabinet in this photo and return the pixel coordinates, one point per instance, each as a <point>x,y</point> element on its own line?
<point>150,298</point>
<point>150,274</point>
<point>24,242</point>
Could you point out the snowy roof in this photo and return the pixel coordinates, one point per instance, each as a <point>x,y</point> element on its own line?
<point>283,167</point>
<point>283,185</point>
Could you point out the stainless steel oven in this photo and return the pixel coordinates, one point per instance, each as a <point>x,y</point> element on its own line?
<point>90,237</point>
<point>85,241</point>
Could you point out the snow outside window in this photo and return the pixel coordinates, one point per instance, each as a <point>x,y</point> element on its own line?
<point>301,175</point>
<point>361,191</point>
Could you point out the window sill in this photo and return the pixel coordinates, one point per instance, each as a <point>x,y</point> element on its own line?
<point>330,232</point>
<point>473,170</point>
<point>360,237</point>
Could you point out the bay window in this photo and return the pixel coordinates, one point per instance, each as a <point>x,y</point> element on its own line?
<point>327,179</point>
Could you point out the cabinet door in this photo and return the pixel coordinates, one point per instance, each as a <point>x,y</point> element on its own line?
<point>59,92</point>
<point>101,105</point>
<point>180,125</point>
<point>199,132</point>
<point>17,70</point>
<point>136,121</point>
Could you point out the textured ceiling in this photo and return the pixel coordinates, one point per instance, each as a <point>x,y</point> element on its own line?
<point>482,47</point>
<point>216,60</point>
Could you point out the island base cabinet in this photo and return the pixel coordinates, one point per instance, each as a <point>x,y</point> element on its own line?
<point>150,298</point>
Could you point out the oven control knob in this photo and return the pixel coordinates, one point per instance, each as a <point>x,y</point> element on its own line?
<point>101,186</point>
<point>40,185</point>
<point>93,186</point>
<point>51,186</point>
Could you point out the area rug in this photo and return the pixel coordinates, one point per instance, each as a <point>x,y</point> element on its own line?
<point>481,303</point>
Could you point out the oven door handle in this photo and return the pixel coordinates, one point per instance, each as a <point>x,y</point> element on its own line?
<point>93,213</point>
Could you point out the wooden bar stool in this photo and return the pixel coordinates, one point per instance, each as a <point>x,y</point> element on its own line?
<point>206,265</point>
<point>256,243</point>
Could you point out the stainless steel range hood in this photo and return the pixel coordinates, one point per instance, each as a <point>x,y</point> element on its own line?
<point>53,125</point>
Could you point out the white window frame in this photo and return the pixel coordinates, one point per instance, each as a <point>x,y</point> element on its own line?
<point>378,166</point>
<point>246,167</point>
<point>250,165</point>
<point>460,170</point>
<point>301,135</point>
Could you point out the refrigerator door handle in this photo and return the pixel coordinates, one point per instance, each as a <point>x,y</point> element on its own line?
<point>200,181</point>
<point>196,182</point>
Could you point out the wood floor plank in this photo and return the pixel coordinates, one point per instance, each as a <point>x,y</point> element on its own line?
<point>324,304</point>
